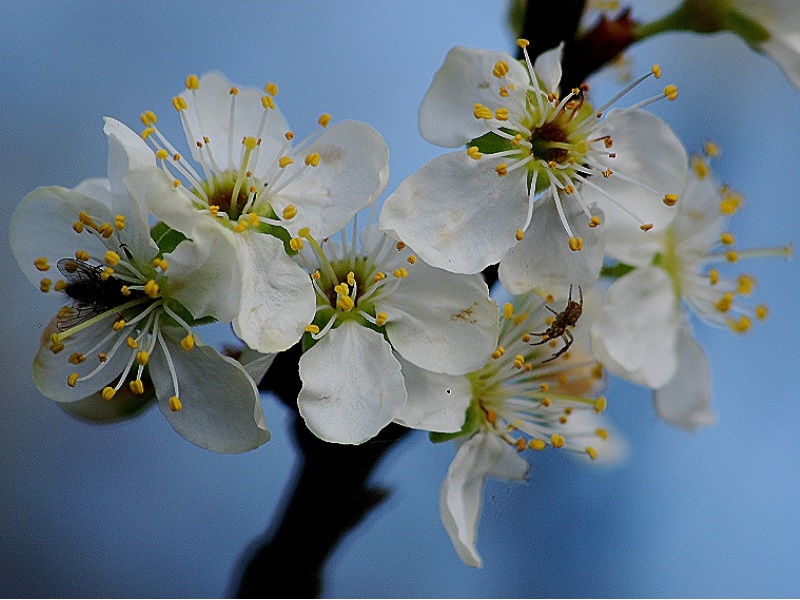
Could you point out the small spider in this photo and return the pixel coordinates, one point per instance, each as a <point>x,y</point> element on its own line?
<point>566,318</point>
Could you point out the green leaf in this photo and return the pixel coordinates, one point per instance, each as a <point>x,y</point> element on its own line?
<point>166,239</point>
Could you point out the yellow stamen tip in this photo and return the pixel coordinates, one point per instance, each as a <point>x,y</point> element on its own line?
<point>175,405</point>
<point>312,329</point>
<point>575,243</point>
<point>670,199</point>
<point>537,444</point>
<point>42,264</point>
<point>136,386</point>
<point>187,343</point>
<point>591,452</point>
<point>324,120</point>
<point>762,312</point>
<point>112,258</point>
<point>646,226</point>
<point>72,380</point>
<point>557,441</point>
<point>519,235</point>
<point>192,82</point>
<point>108,393</point>
<point>656,70</point>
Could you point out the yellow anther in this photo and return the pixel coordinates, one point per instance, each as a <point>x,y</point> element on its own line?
<point>522,43</point>
<point>730,204</point>
<point>519,235</point>
<point>296,244</point>
<point>132,343</point>
<point>600,404</point>
<point>102,357</point>
<point>557,441</point>
<point>656,70</point>
<point>253,220</point>
<point>746,285</point>
<point>136,386</point>
<point>147,132</point>
<point>563,419</point>
<point>381,318</point>
<point>591,452</point>
<point>112,258</point>
<point>108,393</point>
<point>160,263</point>
<point>106,230</point>
<point>727,238</point>
<point>671,92</point>
<point>271,88</point>
<point>213,210</point>
<point>304,232</point>
<point>499,352</point>
<point>537,444</point>
<point>76,358</point>
<point>289,135</point>
<point>175,405</point>
<point>345,303</point>
<point>491,416</point>
<point>267,102</point>
<point>324,120</point>
<point>81,255</point>
<point>594,221</point>
<point>700,167</point>
<point>646,226</point>
<point>400,273</point>
<point>762,312</point>
<point>192,82</point>
<point>148,118</point>
<point>72,380</point>
<point>399,246</point>
<point>519,361</point>
<point>60,286</point>
<point>379,276</point>
<point>142,357</point>
<point>479,111</point>
<point>118,325</point>
<point>725,302</point>
<point>411,259</point>
<point>607,173</point>
<point>125,290</point>
<point>521,445</point>
<point>234,91</point>
<point>179,103</point>
<point>711,149</point>
<point>504,93</point>
<point>351,278</point>
<point>187,343</point>
<point>742,325</point>
<point>106,274</point>
<point>342,289</point>
<point>713,276</point>
<point>86,219</point>
<point>508,310</point>
<point>77,226</point>
<point>601,433</point>
<point>546,402</point>
<point>501,114</point>
<point>119,222</point>
<point>176,183</point>
<point>162,154</point>
<point>44,284</point>
<point>56,347</point>
<point>42,264</point>
<point>575,243</point>
<point>732,256</point>
<point>473,152</point>
<point>312,329</point>
<point>312,160</point>
<point>284,161</point>
<point>501,69</point>
<point>501,170</point>
<point>151,289</point>
<point>670,199</point>
<point>526,337</point>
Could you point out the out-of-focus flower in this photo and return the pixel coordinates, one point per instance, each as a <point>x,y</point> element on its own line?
<point>124,337</point>
<point>464,210</point>
<point>519,400</point>
<point>641,333</point>
<point>768,26</point>
<point>374,298</point>
<point>253,190</point>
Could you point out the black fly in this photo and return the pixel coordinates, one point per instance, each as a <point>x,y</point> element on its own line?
<point>90,292</point>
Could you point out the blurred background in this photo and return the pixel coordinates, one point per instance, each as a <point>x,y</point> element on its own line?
<point>134,510</point>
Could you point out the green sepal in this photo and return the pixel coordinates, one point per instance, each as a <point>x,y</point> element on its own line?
<point>490,142</point>
<point>166,238</point>
<point>616,271</point>
<point>184,314</point>
<point>471,423</point>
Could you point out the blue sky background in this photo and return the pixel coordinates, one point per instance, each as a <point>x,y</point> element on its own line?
<point>134,510</point>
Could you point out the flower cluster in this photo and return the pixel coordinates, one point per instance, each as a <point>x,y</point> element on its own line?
<point>395,321</point>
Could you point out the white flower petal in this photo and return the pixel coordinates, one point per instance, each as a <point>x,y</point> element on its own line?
<point>780,18</point>
<point>209,115</point>
<point>436,402</point>
<point>352,385</point>
<point>543,261</point>
<point>255,363</point>
<point>42,226</point>
<point>352,173</point>
<point>646,151</point>
<point>445,115</point>
<point>95,409</point>
<point>635,334</point>
<point>277,300</point>
<point>685,401</point>
<point>461,495</point>
<point>221,408</point>
<point>50,371</point>
<point>441,321</point>
<point>548,67</point>
<point>456,213</point>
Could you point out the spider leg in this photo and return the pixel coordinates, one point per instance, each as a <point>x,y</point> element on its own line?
<point>568,339</point>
